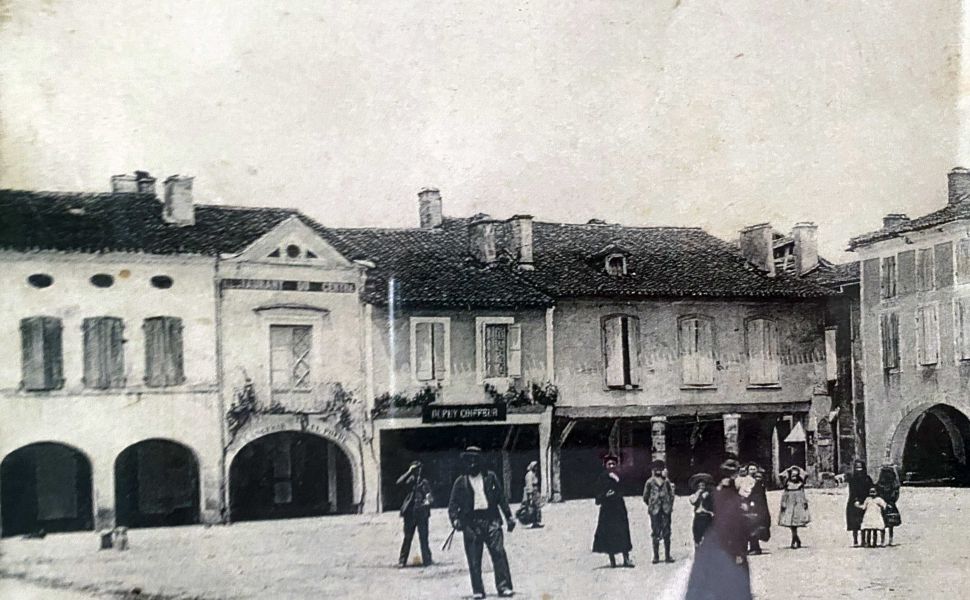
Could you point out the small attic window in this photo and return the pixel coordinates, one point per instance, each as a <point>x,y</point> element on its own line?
<point>102,280</point>
<point>275,253</point>
<point>293,251</point>
<point>310,254</point>
<point>616,265</point>
<point>40,280</point>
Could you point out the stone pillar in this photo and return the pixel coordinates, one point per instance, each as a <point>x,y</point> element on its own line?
<point>545,473</point>
<point>103,498</point>
<point>658,438</point>
<point>731,422</point>
<point>332,476</point>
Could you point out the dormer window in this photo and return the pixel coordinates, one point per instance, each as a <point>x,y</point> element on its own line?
<point>616,265</point>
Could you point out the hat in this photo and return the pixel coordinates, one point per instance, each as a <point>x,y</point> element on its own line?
<point>415,463</point>
<point>532,465</point>
<point>697,478</point>
<point>658,465</point>
<point>611,457</point>
<point>471,451</point>
<point>730,467</point>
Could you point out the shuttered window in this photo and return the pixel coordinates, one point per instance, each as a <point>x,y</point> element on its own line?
<point>163,352</point>
<point>41,353</point>
<point>888,277</point>
<point>500,347</point>
<point>961,320</point>
<point>430,349</point>
<point>925,270</point>
<point>290,347</point>
<point>696,338</point>
<point>104,353</point>
<point>763,359</point>
<point>889,333</point>
<point>621,353</point>
<point>927,335</point>
<point>963,261</point>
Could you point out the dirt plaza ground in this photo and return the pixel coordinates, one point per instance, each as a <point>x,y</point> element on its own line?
<point>355,557</point>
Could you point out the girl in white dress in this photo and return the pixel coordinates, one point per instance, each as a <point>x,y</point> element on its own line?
<point>872,522</point>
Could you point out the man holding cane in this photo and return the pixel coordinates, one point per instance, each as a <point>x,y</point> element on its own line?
<point>476,500</point>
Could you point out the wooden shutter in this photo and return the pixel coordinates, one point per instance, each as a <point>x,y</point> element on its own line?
<point>104,353</point>
<point>889,330</point>
<point>705,351</point>
<point>633,343</point>
<point>927,335</point>
<point>175,367</point>
<point>41,353</point>
<point>281,352</point>
<point>963,261</point>
<point>440,344</point>
<point>423,352</point>
<point>757,353</point>
<point>163,351</point>
<point>613,350</point>
<point>772,355</point>
<point>688,350</point>
<point>961,318</point>
<point>924,269</point>
<point>888,277</point>
<point>515,351</point>
<point>53,353</point>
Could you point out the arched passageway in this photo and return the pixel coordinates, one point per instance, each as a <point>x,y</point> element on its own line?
<point>156,485</point>
<point>45,487</point>
<point>936,446</point>
<point>290,474</point>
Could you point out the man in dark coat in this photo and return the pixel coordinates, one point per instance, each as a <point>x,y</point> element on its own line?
<point>415,511</point>
<point>476,501</point>
<point>658,495</point>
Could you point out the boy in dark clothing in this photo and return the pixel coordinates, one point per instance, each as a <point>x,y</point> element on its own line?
<point>658,495</point>
<point>415,511</point>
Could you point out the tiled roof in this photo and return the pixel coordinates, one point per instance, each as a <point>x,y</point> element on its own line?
<point>122,222</point>
<point>950,212</point>
<point>832,275</point>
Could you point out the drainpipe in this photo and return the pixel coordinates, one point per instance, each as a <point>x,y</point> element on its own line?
<point>550,345</point>
<point>220,385</point>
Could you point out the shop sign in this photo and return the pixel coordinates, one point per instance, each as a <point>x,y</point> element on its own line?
<point>464,413</point>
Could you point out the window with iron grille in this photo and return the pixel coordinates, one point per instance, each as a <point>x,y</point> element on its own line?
<point>499,347</point>
<point>291,346</point>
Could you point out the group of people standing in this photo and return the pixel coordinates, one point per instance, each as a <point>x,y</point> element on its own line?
<point>871,507</point>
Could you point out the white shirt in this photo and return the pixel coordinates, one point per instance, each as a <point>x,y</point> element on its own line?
<point>478,491</point>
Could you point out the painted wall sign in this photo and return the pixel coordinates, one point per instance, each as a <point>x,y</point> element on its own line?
<point>467,413</point>
<point>332,287</point>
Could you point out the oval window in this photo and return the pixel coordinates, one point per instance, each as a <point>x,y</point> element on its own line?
<point>162,282</point>
<point>293,251</point>
<point>40,280</point>
<point>102,280</point>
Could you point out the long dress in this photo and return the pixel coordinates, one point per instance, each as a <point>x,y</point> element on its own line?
<point>890,493</point>
<point>720,569</point>
<point>613,527</point>
<point>872,513</point>
<point>794,505</point>
<point>859,486</point>
<point>529,512</point>
<point>759,503</point>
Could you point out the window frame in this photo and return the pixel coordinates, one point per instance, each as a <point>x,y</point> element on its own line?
<point>632,364</point>
<point>311,360</point>
<point>748,349</point>
<point>413,325</point>
<point>713,353</point>
<point>609,258</point>
<point>480,323</point>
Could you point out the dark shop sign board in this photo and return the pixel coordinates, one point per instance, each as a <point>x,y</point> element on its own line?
<point>465,413</point>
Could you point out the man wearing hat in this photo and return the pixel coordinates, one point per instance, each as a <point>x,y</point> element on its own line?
<point>476,501</point>
<point>658,495</point>
<point>415,511</point>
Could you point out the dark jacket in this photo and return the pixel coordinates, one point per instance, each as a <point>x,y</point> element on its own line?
<point>418,499</point>
<point>462,502</point>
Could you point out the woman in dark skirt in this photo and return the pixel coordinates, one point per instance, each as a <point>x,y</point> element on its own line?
<point>859,485</point>
<point>888,489</point>
<point>613,528</point>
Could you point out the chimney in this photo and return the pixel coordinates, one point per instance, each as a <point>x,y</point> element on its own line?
<point>520,241</point>
<point>141,182</point>
<point>481,240</point>
<point>429,208</point>
<point>893,219</point>
<point>806,247</point>
<point>757,246</point>
<point>178,208</point>
<point>958,185</point>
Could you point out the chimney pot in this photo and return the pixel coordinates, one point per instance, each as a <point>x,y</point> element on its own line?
<point>429,208</point>
<point>520,241</point>
<point>757,247</point>
<point>140,182</point>
<point>805,235</point>
<point>894,219</point>
<point>958,185</point>
<point>481,240</point>
<point>178,208</point>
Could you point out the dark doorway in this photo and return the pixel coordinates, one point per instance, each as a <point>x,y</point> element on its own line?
<point>45,486</point>
<point>694,445</point>
<point>156,485</point>
<point>289,474</point>
<point>439,450</point>
<point>936,448</point>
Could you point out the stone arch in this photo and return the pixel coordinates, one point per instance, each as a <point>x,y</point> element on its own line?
<point>952,420</point>
<point>157,483</point>
<point>46,486</point>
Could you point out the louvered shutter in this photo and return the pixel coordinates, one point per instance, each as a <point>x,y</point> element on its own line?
<point>963,261</point>
<point>423,352</point>
<point>515,351</point>
<point>613,351</point>
<point>961,316</point>
<point>163,352</point>
<point>175,366</point>
<point>705,352</point>
<point>927,330</point>
<point>53,353</point>
<point>104,363</point>
<point>440,356</point>
<point>772,358</point>
<point>757,354</point>
<point>688,350</point>
<point>32,353</point>
<point>890,348</point>
<point>633,343</point>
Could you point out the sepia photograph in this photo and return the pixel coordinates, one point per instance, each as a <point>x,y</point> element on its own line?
<point>307,299</point>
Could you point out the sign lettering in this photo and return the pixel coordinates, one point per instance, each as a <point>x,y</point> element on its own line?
<point>463,413</point>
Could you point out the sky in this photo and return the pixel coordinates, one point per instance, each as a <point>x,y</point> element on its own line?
<point>717,114</point>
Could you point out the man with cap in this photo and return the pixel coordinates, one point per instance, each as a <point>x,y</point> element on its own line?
<point>658,495</point>
<point>477,499</point>
<point>415,511</point>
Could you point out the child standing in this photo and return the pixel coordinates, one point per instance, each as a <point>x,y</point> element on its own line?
<point>794,504</point>
<point>703,503</point>
<point>872,522</point>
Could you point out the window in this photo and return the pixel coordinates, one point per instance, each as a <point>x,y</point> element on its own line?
<point>889,333</point>
<point>616,265</point>
<point>104,353</point>
<point>163,352</point>
<point>924,270</point>
<point>430,348</point>
<point>621,356</point>
<point>927,335</point>
<point>961,320</point>
<point>162,282</point>
<point>499,347</point>
<point>888,277</point>
<point>42,354</point>
<point>762,339</point>
<point>696,338</point>
<point>40,280</point>
<point>290,347</point>
<point>102,280</point>
<point>963,261</point>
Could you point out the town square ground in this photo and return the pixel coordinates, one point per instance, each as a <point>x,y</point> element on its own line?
<point>355,557</point>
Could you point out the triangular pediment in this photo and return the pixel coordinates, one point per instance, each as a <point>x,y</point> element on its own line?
<point>294,242</point>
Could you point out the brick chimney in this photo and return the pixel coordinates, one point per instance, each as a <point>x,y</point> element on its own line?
<point>178,208</point>
<point>481,239</point>
<point>757,246</point>
<point>429,208</point>
<point>806,247</point>
<point>520,240</point>
<point>958,182</point>
<point>894,219</point>
<point>140,182</point>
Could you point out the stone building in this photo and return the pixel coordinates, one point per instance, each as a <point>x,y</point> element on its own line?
<point>915,329</point>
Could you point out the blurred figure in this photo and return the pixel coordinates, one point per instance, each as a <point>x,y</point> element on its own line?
<point>794,504</point>
<point>872,521</point>
<point>658,495</point>
<point>888,488</point>
<point>703,502</point>
<point>612,535</point>
<point>416,510</point>
<point>859,485</point>
<point>530,512</point>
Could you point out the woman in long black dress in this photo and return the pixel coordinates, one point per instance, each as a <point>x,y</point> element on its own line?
<point>859,485</point>
<point>888,489</point>
<point>613,528</point>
